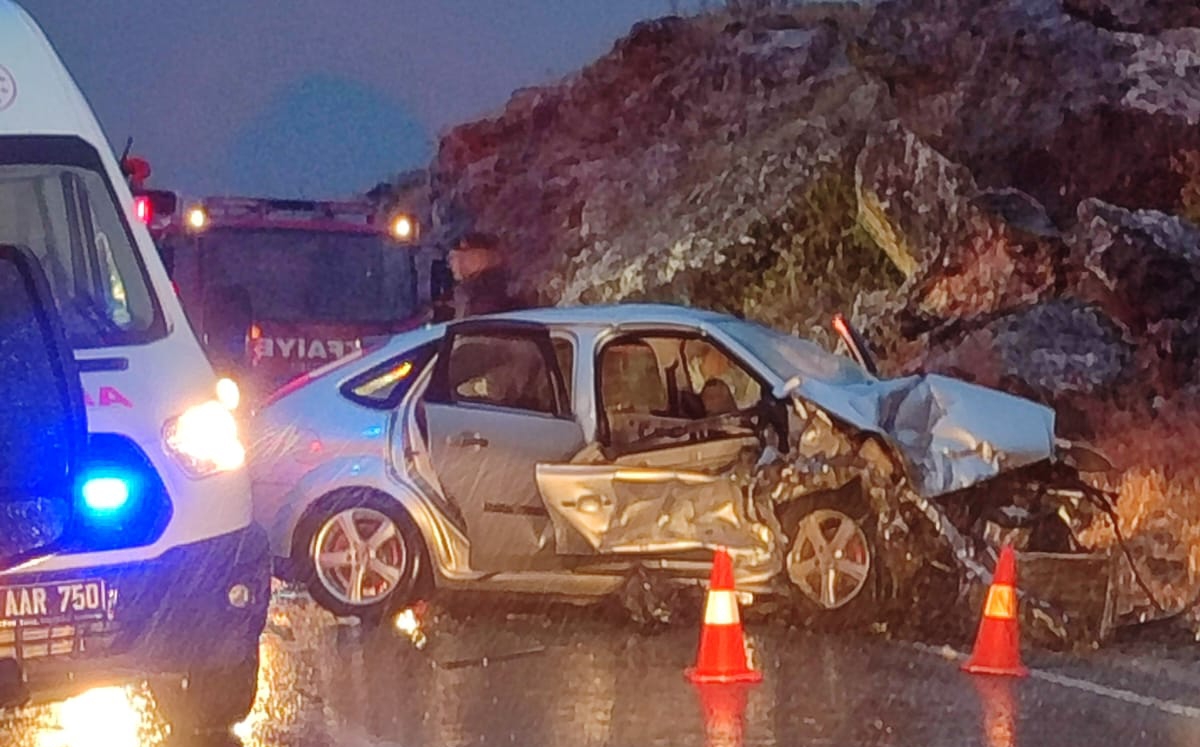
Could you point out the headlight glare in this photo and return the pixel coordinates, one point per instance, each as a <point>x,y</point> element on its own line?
<point>204,439</point>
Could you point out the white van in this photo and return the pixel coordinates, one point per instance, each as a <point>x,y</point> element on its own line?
<point>167,578</point>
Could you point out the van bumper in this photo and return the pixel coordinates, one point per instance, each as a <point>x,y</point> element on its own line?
<point>197,607</point>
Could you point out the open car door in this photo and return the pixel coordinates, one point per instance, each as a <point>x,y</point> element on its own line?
<point>43,428</point>
<point>665,481</point>
<point>496,406</point>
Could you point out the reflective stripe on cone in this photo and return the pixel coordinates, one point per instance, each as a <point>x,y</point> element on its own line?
<point>721,608</point>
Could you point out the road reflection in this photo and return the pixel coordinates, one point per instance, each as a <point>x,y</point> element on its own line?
<point>498,677</point>
<point>101,717</point>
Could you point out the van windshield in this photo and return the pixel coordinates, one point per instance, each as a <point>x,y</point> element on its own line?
<point>56,201</point>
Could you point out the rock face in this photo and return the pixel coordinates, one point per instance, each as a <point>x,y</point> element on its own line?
<point>999,189</point>
<point>1144,268</point>
<point>1143,16</point>
<point>643,174</point>
<point>1031,97</point>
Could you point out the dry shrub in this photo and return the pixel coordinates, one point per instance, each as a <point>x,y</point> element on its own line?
<point>1158,481</point>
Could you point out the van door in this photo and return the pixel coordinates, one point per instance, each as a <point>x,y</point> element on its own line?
<point>44,429</point>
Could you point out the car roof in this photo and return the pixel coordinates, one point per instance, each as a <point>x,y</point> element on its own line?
<point>615,314</point>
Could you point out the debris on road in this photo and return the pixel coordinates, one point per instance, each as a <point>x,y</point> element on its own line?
<point>484,661</point>
<point>408,623</point>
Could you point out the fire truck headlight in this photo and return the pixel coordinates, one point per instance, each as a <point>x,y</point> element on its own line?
<point>197,219</point>
<point>403,227</point>
<point>204,440</point>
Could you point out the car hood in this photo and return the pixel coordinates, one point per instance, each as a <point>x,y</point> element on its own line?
<point>953,434</point>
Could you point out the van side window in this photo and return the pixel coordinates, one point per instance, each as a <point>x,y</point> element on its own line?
<point>56,202</point>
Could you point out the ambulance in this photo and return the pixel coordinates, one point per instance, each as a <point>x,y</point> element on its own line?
<point>166,578</point>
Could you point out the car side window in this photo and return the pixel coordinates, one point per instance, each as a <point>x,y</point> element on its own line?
<point>503,370</point>
<point>384,385</point>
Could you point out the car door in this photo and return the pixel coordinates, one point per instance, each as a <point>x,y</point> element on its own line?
<point>497,406</point>
<point>669,485</point>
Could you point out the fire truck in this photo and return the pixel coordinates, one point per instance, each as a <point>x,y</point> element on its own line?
<point>276,288</point>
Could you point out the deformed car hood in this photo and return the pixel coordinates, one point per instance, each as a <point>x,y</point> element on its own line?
<point>953,434</point>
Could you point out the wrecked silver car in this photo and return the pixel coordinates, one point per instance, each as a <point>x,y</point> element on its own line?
<point>569,451</point>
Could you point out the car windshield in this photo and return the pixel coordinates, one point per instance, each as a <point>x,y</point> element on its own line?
<point>787,355</point>
<point>56,201</point>
<point>297,276</point>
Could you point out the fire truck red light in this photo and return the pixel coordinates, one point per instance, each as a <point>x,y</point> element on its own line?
<point>143,209</point>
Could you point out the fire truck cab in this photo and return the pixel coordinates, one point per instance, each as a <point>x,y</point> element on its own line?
<point>276,288</point>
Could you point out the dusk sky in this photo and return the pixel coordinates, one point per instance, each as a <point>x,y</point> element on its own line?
<point>313,98</point>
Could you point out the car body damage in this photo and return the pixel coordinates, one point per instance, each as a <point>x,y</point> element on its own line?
<point>946,469</point>
<point>670,501</point>
<point>953,434</point>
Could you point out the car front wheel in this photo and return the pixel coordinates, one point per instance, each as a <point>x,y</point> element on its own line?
<point>360,558</point>
<point>831,561</point>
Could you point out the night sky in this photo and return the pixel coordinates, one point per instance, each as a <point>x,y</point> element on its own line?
<point>313,98</point>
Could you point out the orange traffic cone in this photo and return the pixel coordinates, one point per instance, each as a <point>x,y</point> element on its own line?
<point>722,654</point>
<point>998,645</point>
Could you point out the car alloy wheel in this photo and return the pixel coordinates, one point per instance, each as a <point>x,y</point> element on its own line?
<point>359,556</point>
<point>830,560</point>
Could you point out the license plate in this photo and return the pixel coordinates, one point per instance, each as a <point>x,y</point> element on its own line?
<point>54,602</point>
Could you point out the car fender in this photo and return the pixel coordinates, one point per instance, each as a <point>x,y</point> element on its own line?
<point>445,544</point>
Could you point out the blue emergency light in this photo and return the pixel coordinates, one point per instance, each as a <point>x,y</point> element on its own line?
<point>105,494</point>
<point>120,500</point>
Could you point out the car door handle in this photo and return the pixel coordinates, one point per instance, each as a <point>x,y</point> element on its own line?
<point>466,440</point>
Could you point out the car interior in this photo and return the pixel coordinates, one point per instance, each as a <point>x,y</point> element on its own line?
<point>660,392</point>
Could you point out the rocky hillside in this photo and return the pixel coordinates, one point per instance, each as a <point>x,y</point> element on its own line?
<point>1000,189</point>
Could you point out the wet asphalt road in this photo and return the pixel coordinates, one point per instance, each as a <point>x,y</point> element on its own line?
<point>573,677</point>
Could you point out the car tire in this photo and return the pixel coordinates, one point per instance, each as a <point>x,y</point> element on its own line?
<point>208,701</point>
<point>394,572</point>
<point>832,532</point>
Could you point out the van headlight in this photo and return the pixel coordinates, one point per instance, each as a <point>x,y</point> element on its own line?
<point>204,439</point>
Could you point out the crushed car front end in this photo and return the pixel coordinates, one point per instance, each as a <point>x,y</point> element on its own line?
<point>952,472</point>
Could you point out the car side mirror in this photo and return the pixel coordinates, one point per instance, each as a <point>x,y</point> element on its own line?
<point>43,429</point>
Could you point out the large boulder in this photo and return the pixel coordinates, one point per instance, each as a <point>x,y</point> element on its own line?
<point>657,160</point>
<point>1143,267</point>
<point>962,257</point>
<point>1064,353</point>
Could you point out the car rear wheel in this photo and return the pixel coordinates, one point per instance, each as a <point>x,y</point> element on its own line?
<point>831,560</point>
<point>360,556</point>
